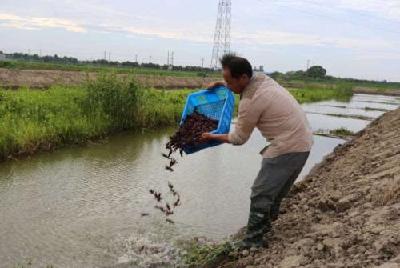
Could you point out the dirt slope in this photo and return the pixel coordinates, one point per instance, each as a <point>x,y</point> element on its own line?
<point>47,78</point>
<point>347,211</point>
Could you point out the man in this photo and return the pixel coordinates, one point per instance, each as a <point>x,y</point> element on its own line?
<point>280,119</point>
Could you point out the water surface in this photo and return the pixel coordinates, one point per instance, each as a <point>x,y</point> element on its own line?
<point>82,206</point>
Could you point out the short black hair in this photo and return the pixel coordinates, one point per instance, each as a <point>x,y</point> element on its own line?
<point>237,65</point>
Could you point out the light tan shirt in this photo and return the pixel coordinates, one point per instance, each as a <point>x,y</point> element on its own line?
<point>276,113</point>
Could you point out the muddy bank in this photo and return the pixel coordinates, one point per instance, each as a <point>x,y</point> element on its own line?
<point>365,90</point>
<point>346,213</point>
<point>47,78</point>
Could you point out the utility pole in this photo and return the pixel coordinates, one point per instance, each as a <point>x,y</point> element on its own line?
<point>222,37</point>
<point>105,54</point>
<point>136,58</point>
<point>308,65</point>
<point>168,59</point>
<point>172,58</point>
<point>202,62</point>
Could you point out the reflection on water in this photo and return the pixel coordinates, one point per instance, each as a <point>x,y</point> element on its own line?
<point>82,207</point>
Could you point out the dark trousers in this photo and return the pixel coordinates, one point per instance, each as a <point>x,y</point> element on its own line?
<point>272,184</point>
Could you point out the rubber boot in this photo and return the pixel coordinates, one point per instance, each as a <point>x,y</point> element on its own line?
<point>274,212</point>
<point>258,224</point>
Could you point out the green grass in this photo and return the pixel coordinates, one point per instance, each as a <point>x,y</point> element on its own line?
<point>206,255</point>
<point>341,132</point>
<point>313,93</point>
<point>32,120</point>
<point>332,82</point>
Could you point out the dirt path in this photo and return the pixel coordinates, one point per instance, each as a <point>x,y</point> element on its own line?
<point>47,78</point>
<point>347,211</point>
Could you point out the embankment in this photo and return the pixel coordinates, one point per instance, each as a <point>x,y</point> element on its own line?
<point>346,213</point>
<point>47,78</point>
<point>15,78</point>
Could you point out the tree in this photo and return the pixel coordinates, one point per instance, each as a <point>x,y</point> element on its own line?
<point>316,72</point>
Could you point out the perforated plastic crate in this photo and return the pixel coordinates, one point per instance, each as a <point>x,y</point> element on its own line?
<point>217,104</point>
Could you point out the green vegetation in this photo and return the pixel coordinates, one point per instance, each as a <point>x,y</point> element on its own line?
<point>32,120</point>
<point>316,76</point>
<point>352,116</point>
<point>206,255</point>
<point>342,133</point>
<point>375,109</point>
<point>312,93</point>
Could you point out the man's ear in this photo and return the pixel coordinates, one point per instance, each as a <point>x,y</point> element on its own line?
<point>245,77</point>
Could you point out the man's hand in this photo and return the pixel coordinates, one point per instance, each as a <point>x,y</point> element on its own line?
<point>206,136</point>
<point>215,84</point>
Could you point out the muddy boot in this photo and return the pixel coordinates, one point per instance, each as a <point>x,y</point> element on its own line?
<point>274,212</point>
<point>257,226</point>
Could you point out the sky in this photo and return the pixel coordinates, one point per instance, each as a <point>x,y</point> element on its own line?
<point>350,38</point>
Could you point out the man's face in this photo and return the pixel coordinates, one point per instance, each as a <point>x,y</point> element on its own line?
<point>235,84</point>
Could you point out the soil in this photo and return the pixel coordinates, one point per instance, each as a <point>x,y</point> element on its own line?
<point>46,78</point>
<point>346,213</point>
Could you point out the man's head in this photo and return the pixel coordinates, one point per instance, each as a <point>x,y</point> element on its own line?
<point>237,72</point>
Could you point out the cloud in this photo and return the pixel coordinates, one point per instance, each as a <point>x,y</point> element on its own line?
<point>35,23</point>
<point>289,38</point>
<point>185,34</point>
<point>389,9</point>
<point>194,34</point>
<point>386,9</point>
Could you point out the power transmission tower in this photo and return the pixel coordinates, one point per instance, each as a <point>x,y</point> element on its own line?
<point>222,33</point>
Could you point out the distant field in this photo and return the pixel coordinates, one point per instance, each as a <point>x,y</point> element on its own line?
<point>26,65</point>
<point>371,87</point>
<point>15,74</point>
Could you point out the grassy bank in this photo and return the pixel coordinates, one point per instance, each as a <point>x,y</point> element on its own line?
<point>313,93</point>
<point>32,120</point>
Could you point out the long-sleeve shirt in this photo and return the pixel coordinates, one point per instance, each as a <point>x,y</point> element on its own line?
<point>276,113</point>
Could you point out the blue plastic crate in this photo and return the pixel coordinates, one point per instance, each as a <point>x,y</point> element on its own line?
<point>218,104</point>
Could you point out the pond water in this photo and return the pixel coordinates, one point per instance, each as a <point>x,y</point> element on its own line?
<point>82,206</point>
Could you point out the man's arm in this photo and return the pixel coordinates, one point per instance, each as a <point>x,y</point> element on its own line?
<point>218,137</point>
<point>247,119</point>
